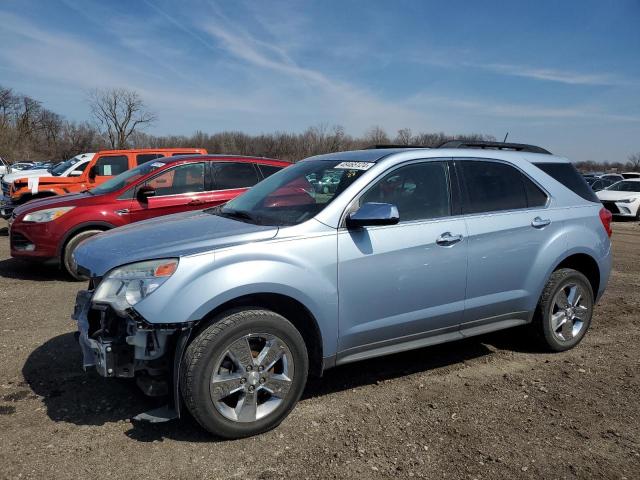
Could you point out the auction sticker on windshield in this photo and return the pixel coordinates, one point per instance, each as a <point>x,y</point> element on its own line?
<point>354,165</point>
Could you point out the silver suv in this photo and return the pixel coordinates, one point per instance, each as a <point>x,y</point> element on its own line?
<point>229,309</point>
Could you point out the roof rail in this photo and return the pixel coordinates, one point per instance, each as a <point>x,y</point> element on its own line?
<point>391,145</point>
<point>518,147</point>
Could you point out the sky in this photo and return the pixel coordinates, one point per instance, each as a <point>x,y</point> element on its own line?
<point>564,75</point>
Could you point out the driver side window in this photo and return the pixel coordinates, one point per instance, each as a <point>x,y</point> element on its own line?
<point>182,179</point>
<point>420,191</point>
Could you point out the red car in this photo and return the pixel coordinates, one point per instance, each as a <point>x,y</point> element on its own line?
<point>51,228</point>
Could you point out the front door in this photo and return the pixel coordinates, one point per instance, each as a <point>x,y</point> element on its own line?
<point>402,283</point>
<point>177,189</point>
<point>108,166</point>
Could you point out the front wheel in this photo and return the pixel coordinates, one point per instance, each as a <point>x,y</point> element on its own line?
<point>72,244</point>
<point>244,373</point>
<point>564,310</point>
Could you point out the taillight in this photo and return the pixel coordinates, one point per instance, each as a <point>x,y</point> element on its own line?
<point>605,218</point>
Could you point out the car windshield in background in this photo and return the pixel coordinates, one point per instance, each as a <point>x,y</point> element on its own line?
<point>61,167</point>
<point>625,186</point>
<point>128,177</point>
<point>293,195</point>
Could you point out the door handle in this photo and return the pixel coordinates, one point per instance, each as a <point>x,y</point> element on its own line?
<point>540,222</point>
<point>196,202</point>
<point>447,239</point>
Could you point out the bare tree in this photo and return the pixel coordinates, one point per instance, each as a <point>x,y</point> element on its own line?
<point>376,136</point>
<point>119,113</point>
<point>634,162</point>
<point>404,137</point>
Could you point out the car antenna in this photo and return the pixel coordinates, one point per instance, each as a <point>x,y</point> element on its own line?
<point>505,138</point>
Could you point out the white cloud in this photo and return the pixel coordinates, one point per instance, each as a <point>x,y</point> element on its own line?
<point>547,74</point>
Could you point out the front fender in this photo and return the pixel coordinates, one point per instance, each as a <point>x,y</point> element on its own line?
<point>303,269</point>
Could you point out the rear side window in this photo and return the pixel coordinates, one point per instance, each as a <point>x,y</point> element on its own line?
<point>230,175</point>
<point>112,165</point>
<point>535,196</point>
<point>493,186</point>
<point>566,174</point>
<point>268,170</point>
<point>146,157</point>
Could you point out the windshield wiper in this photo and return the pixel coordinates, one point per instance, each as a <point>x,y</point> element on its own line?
<point>232,213</point>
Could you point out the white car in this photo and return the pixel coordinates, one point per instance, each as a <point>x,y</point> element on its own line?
<point>622,198</point>
<point>69,168</point>
<point>630,174</point>
<point>4,167</point>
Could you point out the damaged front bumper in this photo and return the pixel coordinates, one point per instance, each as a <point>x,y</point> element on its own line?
<point>126,346</point>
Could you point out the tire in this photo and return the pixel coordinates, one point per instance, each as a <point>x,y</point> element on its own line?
<point>70,247</point>
<point>218,392</point>
<point>561,325</point>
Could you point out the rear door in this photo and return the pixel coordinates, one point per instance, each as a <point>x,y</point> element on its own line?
<point>231,179</point>
<point>177,189</point>
<point>508,221</point>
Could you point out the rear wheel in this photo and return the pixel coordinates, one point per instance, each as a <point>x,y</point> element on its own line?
<point>72,244</point>
<point>564,310</point>
<point>244,373</point>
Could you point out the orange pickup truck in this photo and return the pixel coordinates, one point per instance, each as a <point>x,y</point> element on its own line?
<point>102,167</point>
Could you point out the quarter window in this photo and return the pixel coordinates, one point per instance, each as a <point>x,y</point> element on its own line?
<point>230,175</point>
<point>268,170</point>
<point>112,165</point>
<point>187,178</point>
<point>420,191</point>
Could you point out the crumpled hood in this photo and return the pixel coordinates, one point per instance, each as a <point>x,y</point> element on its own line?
<point>162,237</point>
<point>10,177</point>
<point>47,180</point>
<point>613,195</point>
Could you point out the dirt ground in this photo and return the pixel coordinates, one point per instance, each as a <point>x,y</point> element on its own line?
<point>483,408</point>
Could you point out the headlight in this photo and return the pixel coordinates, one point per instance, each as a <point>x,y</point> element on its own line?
<point>125,286</point>
<point>42,216</point>
<point>627,200</point>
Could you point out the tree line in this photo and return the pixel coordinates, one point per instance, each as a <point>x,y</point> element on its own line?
<point>29,131</point>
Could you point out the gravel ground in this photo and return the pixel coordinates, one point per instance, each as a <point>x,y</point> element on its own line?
<point>483,408</point>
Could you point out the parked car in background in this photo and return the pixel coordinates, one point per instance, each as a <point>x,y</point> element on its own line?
<point>622,198</point>
<point>4,168</point>
<point>612,176</point>
<point>103,166</point>
<point>598,184</point>
<point>51,228</point>
<point>414,247</point>
<point>631,174</point>
<point>21,166</point>
<point>72,167</point>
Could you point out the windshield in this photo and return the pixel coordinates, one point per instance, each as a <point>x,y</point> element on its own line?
<point>127,178</point>
<point>61,167</point>
<point>625,186</point>
<point>293,195</point>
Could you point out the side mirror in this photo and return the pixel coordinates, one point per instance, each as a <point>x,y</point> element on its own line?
<point>93,172</point>
<point>145,192</point>
<point>371,214</point>
<point>75,173</point>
